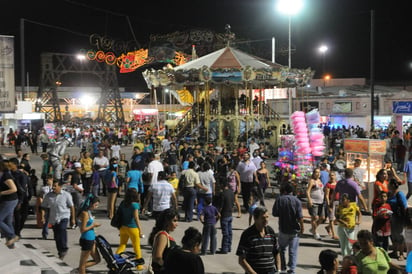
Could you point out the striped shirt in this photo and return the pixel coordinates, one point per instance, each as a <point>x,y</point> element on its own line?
<point>258,251</point>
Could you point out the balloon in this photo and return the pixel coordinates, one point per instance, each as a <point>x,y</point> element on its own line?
<point>301,129</point>
<point>317,153</point>
<point>298,119</point>
<point>297,114</point>
<point>313,116</point>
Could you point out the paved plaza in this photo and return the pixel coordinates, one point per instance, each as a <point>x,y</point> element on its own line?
<point>35,255</point>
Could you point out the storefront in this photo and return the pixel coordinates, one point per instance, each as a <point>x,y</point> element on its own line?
<point>349,121</point>
<point>382,122</point>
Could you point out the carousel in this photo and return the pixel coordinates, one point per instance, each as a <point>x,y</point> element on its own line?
<point>225,91</point>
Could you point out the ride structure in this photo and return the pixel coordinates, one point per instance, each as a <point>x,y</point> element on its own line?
<point>55,67</point>
<point>228,89</point>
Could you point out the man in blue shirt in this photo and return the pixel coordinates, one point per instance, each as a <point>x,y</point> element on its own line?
<point>289,210</point>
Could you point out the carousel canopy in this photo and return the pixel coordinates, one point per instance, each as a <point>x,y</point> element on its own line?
<point>227,58</point>
<point>228,65</point>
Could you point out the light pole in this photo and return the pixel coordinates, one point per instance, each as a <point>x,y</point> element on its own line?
<point>323,49</point>
<point>290,8</point>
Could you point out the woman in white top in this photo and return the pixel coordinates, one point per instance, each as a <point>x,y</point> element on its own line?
<point>315,196</point>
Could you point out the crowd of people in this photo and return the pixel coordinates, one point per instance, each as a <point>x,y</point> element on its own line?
<point>210,182</point>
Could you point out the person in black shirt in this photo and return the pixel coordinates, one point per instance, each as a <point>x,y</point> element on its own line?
<point>172,158</point>
<point>184,152</point>
<point>138,158</point>
<point>24,194</point>
<point>8,201</point>
<point>227,200</point>
<point>186,260</point>
<point>258,248</point>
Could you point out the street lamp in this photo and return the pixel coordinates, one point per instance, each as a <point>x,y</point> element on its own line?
<point>323,49</point>
<point>290,8</point>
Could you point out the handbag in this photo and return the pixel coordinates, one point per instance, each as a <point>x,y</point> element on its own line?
<point>116,221</point>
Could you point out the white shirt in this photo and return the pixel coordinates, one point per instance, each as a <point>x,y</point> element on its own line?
<point>257,160</point>
<point>103,162</point>
<point>165,145</point>
<point>253,147</point>
<point>162,193</point>
<point>115,151</point>
<point>207,180</point>
<point>154,167</point>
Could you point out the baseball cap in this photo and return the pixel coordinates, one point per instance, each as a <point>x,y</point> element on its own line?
<point>77,164</point>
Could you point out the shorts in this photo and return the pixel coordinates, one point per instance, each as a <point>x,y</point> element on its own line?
<point>331,213</point>
<point>316,210</point>
<point>86,245</point>
<point>112,190</point>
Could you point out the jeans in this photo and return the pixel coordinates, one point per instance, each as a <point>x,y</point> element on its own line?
<point>101,175</point>
<point>290,241</point>
<point>409,190</point>
<point>226,226</point>
<point>144,195</point>
<point>6,218</point>
<point>209,232</point>
<point>189,195</point>
<point>344,235</point>
<point>246,189</point>
<point>45,229</point>
<point>20,216</point>
<point>95,190</point>
<point>174,168</point>
<point>60,235</point>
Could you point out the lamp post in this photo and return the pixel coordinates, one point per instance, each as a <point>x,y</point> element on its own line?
<point>323,49</point>
<point>290,8</point>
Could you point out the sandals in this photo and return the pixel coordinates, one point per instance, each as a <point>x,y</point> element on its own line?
<point>12,241</point>
<point>328,230</point>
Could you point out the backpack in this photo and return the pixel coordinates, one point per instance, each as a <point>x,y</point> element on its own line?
<point>182,182</point>
<point>21,190</point>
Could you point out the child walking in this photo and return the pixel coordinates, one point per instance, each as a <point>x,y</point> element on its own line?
<point>346,216</point>
<point>253,204</point>
<point>209,217</point>
<point>381,226</point>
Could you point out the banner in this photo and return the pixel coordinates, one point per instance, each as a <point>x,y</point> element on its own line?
<point>7,88</point>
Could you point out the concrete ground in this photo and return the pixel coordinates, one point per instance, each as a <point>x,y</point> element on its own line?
<point>44,255</point>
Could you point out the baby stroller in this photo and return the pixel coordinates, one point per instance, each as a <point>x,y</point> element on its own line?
<point>123,263</point>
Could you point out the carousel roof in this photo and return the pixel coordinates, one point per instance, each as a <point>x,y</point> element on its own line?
<point>228,65</point>
<point>228,58</point>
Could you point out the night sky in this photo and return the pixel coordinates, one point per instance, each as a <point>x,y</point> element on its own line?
<point>343,25</point>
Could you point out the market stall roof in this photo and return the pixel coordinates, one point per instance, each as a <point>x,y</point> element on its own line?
<point>228,58</point>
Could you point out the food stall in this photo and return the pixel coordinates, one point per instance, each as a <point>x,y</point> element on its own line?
<point>371,152</point>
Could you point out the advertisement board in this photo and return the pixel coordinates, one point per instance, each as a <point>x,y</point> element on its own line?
<point>7,87</point>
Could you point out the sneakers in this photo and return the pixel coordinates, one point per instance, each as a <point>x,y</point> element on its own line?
<point>316,236</point>
<point>75,271</point>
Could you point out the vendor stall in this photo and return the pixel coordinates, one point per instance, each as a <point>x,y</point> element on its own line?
<point>371,152</point>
